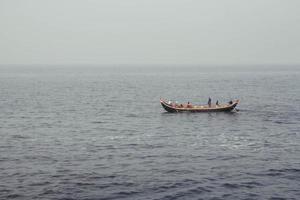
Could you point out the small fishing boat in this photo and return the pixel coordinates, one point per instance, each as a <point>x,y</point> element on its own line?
<point>175,107</point>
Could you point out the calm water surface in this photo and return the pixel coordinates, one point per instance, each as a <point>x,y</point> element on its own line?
<point>100,133</point>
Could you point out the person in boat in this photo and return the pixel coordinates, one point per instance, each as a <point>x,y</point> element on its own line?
<point>209,102</point>
<point>217,103</point>
<point>175,104</point>
<point>230,102</point>
<point>189,105</point>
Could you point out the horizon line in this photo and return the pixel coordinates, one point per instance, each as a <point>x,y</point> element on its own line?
<point>151,65</point>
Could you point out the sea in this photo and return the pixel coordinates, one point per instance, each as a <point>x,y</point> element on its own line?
<point>100,133</point>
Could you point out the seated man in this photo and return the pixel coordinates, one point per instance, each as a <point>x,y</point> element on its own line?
<point>189,105</point>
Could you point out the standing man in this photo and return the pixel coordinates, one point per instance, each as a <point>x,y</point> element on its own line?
<point>209,102</point>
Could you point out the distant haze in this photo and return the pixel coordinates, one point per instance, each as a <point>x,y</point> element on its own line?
<point>149,32</point>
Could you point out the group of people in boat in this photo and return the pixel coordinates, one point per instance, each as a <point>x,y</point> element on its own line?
<point>189,105</point>
<point>209,102</point>
<point>217,102</point>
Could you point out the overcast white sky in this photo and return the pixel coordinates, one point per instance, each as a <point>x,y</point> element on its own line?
<point>100,32</point>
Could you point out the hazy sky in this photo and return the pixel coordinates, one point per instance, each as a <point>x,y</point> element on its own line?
<point>214,32</point>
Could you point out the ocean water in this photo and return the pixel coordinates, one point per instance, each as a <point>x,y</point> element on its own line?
<point>100,133</point>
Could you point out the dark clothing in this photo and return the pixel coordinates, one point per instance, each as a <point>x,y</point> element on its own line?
<point>209,102</point>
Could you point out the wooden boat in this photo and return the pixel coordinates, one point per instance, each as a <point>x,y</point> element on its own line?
<point>173,107</point>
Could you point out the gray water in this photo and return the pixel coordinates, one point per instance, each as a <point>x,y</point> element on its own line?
<point>100,133</point>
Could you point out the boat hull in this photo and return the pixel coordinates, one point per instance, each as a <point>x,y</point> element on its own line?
<point>172,109</point>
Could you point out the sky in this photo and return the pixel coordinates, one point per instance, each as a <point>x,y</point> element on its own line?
<point>150,32</point>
